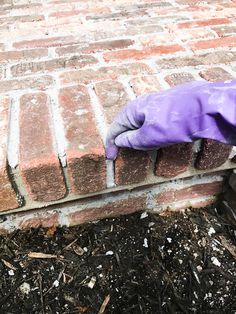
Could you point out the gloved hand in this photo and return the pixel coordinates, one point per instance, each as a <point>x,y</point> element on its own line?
<point>185,113</point>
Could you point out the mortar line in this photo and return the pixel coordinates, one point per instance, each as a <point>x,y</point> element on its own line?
<point>13,133</point>
<point>102,129</point>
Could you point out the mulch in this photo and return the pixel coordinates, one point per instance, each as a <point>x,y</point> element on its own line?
<point>140,263</point>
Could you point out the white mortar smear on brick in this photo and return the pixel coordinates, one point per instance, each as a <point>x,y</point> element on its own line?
<point>58,125</point>
<point>13,134</point>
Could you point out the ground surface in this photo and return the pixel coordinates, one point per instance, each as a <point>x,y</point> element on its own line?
<point>177,263</point>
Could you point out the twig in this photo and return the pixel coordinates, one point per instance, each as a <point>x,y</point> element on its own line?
<point>42,255</point>
<point>104,304</point>
<point>41,292</point>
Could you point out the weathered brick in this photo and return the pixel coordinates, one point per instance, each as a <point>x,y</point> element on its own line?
<point>42,220</point>
<point>85,151</point>
<point>194,34</point>
<point>112,96</point>
<point>38,162</point>
<point>164,38</point>
<point>143,29</point>
<point>130,166</point>
<point>21,19</point>
<point>38,83</point>
<point>217,57</point>
<point>8,198</point>
<point>104,73</point>
<point>194,191</point>
<point>145,84</point>
<point>46,42</point>
<point>225,30</point>
<point>173,160</point>
<point>212,155</point>
<point>216,74</point>
<point>96,46</point>
<point>206,22</point>
<point>52,65</point>
<point>179,78</point>
<point>15,55</point>
<point>112,209</point>
<point>141,54</point>
<point>214,43</point>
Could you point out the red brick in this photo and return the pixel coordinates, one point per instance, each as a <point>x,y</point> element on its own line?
<point>164,38</point>
<point>38,83</point>
<point>8,198</point>
<point>214,43</point>
<point>141,54</point>
<point>195,191</point>
<point>13,55</point>
<point>104,73</point>
<point>179,78</point>
<point>206,22</point>
<point>52,65</point>
<point>216,57</point>
<point>145,84</point>
<point>79,12</point>
<point>85,151</point>
<point>194,34</point>
<point>96,46</point>
<point>112,209</point>
<point>173,160</point>
<point>47,42</point>
<point>213,154</point>
<point>215,74</point>
<point>38,162</point>
<point>40,220</point>
<point>130,166</point>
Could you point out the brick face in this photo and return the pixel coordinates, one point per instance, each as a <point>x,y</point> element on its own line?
<point>141,54</point>
<point>173,160</point>
<point>195,191</point>
<point>52,65</point>
<point>36,83</point>
<point>145,84</point>
<point>85,151</point>
<point>213,154</point>
<point>38,162</point>
<point>8,198</point>
<point>178,78</point>
<point>112,209</point>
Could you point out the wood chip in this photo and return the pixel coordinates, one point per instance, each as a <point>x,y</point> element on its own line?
<point>104,304</point>
<point>41,255</point>
<point>7,264</point>
<point>228,245</point>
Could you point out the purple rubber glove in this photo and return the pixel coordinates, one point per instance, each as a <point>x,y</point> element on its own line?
<point>185,113</point>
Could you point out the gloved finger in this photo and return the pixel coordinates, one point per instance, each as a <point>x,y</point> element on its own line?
<point>115,129</point>
<point>133,139</point>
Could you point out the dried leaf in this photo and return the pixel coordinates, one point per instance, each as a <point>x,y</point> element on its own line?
<point>82,309</point>
<point>7,264</point>
<point>50,232</point>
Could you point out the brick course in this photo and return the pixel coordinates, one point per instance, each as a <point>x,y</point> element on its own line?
<point>70,67</point>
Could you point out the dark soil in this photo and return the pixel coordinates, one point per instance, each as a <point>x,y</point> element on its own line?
<point>174,263</point>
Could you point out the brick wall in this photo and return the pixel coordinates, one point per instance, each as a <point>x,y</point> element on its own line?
<point>67,67</point>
